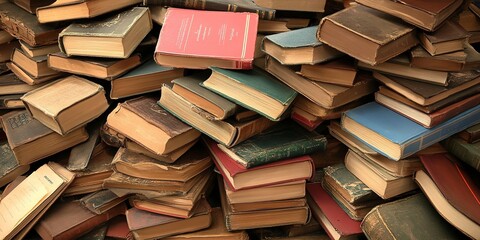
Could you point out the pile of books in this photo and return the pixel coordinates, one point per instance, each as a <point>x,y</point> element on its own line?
<point>239,119</point>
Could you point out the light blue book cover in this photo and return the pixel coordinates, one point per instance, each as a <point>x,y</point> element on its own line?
<point>396,136</point>
<point>303,37</point>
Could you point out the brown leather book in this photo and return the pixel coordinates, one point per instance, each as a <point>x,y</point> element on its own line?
<point>32,5</point>
<point>69,220</point>
<point>450,37</point>
<point>9,167</point>
<point>101,201</point>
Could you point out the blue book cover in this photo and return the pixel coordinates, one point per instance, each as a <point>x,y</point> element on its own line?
<point>396,136</point>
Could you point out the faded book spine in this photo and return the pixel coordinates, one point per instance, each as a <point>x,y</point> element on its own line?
<point>468,153</point>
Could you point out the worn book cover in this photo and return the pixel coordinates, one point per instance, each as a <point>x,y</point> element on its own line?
<point>37,67</point>
<point>471,134</point>
<point>450,62</point>
<point>26,27</point>
<point>9,166</point>
<point>189,88</point>
<point>11,101</point>
<point>101,201</point>
<point>232,45</point>
<point>66,104</point>
<point>28,78</point>
<point>449,31</point>
<point>282,141</point>
<point>32,5</point>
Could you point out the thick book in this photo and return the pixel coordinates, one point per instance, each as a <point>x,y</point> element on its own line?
<point>145,122</point>
<point>253,89</point>
<point>228,132</point>
<point>215,5</point>
<point>336,223</point>
<point>40,50</point>
<point>9,166</point>
<point>450,37</point>
<point>431,119</point>
<point>462,83</point>
<point>371,36</point>
<point>69,220</point>
<point>11,101</point>
<point>37,67</point>
<point>189,88</point>
<point>400,136</point>
<point>423,14</point>
<point>468,153</point>
<point>458,190</point>
<point>29,138</point>
<point>101,201</point>
<point>148,77</point>
<point>405,217</point>
<point>25,26</point>
<point>282,141</point>
<point>147,225</point>
<point>114,36</point>
<point>66,104</point>
<point>324,94</point>
<point>11,84</point>
<point>262,218</point>
<point>238,177</point>
<point>6,50</point>
<point>28,78</point>
<point>193,162</point>
<point>22,208</point>
<point>77,9</point>
<point>341,71</point>
<point>449,62</point>
<point>232,46</point>
<point>166,158</point>
<point>299,46</point>
<point>32,5</point>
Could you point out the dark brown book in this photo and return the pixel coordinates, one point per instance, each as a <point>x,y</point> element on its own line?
<point>37,66</point>
<point>268,205</point>
<point>145,122</point>
<point>30,140</point>
<point>6,50</point>
<point>340,72</point>
<point>9,167</point>
<point>26,27</point>
<point>452,62</point>
<point>471,134</point>
<point>369,35</point>
<point>101,201</point>
<point>29,79</point>
<point>11,101</point>
<point>70,220</point>
<point>40,50</point>
<point>147,225</point>
<point>32,5</point>
<point>118,228</point>
<point>450,37</point>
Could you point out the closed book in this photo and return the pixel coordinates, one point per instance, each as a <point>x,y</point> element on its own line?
<point>405,217</point>
<point>426,94</point>
<point>29,138</point>
<point>432,119</point>
<point>166,158</point>
<point>300,5</point>
<point>77,9</point>
<point>66,104</point>
<point>28,78</point>
<point>189,88</point>
<point>423,14</point>
<point>270,193</point>
<point>215,5</point>
<point>81,154</point>
<point>25,26</point>
<point>299,46</point>
<point>69,220</point>
<point>40,50</point>
<point>6,50</point>
<point>330,215</point>
<point>228,132</point>
<point>143,121</point>
<point>324,94</point>
<point>471,134</point>
<point>32,5</point>
<point>147,225</point>
<point>101,201</point>
<point>238,177</point>
<point>342,71</point>
<point>253,89</point>
<point>9,167</point>
<point>449,62</point>
<point>282,141</point>
<point>400,136</point>
<point>457,190</point>
<point>118,228</point>
<point>11,101</point>
<point>323,113</point>
<point>450,37</point>
<point>233,47</point>
<point>114,36</point>
<point>305,119</point>
<point>374,38</point>
<point>186,167</point>
<point>37,67</point>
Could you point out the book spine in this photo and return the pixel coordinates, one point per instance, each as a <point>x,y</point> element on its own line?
<point>17,29</point>
<point>467,153</point>
<point>374,227</point>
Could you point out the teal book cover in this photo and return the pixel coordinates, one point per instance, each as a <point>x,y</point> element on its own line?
<point>303,37</point>
<point>282,141</point>
<point>396,136</point>
<point>146,68</point>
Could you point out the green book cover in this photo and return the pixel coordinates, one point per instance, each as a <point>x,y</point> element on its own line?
<point>282,141</point>
<point>469,153</point>
<point>149,67</point>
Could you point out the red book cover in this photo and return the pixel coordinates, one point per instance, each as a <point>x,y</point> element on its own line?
<point>118,228</point>
<point>456,186</point>
<point>339,219</point>
<point>209,34</point>
<point>453,110</point>
<point>304,122</point>
<point>233,168</point>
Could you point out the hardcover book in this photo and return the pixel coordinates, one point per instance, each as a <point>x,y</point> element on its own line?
<point>342,71</point>
<point>189,88</point>
<point>299,46</point>
<point>149,125</point>
<point>40,50</point>
<point>450,37</point>
<point>36,67</point>
<point>282,141</point>
<point>25,26</point>
<point>66,104</point>
<point>28,138</point>
<point>114,36</point>
<point>374,37</point>
<point>29,79</point>
<point>11,101</point>
<point>32,5</point>
<point>253,89</point>
<point>449,62</point>
<point>400,136</point>
<point>11,84</point>
<point>101,201</point>
<point>77,9</point>
<point>233,47</point>
<point>300,5</point>
<point>471,134</point>
<point>9,166</point>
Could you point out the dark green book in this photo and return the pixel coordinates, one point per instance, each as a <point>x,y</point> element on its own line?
<point>189,88</point>
<point>9,166</point>
<point>282,141</point>
<point>408,218</point>
<point>468,153</point>
<point>253,89</point>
